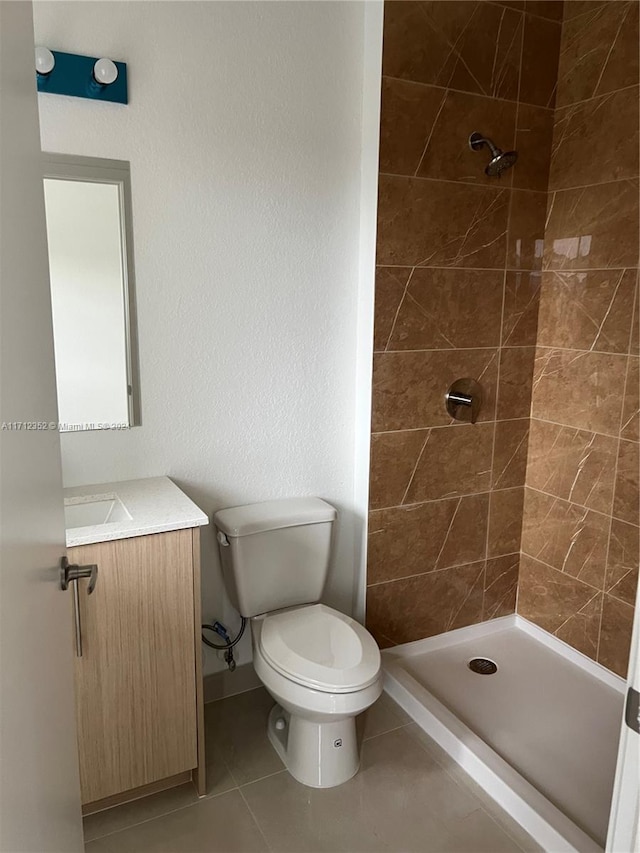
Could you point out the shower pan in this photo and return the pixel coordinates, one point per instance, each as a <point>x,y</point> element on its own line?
<point>534,722</point>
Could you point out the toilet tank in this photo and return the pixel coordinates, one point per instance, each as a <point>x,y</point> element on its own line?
<point>275,554</point>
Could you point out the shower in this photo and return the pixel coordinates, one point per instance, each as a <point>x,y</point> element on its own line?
<point>500,160</point>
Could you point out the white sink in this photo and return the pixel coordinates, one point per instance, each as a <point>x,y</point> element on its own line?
<point>88,512</point>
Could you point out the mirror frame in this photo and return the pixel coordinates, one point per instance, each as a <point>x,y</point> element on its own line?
<point>71,167</point>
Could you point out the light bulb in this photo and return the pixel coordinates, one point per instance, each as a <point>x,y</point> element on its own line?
<point>45,61</point>
<point>105,72</point>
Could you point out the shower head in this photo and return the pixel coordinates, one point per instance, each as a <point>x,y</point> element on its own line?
<point>500,160</point>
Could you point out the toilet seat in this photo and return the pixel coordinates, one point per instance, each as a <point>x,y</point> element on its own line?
<point>321,648</point>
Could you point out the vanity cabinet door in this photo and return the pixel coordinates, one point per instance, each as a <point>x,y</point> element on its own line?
<point>135,682</point>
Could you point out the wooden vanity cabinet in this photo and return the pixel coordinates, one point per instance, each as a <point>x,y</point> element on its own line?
<point>138,682</point>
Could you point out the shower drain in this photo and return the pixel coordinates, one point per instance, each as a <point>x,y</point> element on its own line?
<point>483,666</point>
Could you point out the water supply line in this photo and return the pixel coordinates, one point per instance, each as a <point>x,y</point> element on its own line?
<point>219,629</point>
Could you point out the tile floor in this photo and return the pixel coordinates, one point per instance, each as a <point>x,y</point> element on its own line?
<point>408,796</point>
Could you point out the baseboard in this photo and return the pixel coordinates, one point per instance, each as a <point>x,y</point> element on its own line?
<point>219,685</point>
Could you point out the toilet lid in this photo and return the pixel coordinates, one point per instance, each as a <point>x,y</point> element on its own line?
<point>321,648</point>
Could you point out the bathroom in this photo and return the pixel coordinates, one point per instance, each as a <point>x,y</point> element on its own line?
<point>296,337</point>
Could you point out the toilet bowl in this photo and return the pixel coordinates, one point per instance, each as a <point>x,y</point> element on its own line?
<point>323,669</point>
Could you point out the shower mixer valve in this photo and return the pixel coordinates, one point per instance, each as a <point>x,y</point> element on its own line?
<point>464,400</point>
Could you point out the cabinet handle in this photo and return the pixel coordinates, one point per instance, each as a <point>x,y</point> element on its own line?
<point>68,574</point>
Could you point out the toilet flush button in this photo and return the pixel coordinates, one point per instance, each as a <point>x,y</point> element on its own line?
<point>280,724</point>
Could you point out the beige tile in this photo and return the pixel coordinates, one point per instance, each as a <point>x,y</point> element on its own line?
<point>631,407</point>
<point>409,387</point>
<point>505,522</point>
<point>139,811</point>
<point>573,8</point>
<point>112,820</point>
<point>510,453</point>
<point>622,561</point>
<point>540,51</point>
<point>634,347</point>
<point>599,51</point>
<point>581,389</point>
<point>478,833</point>
<point>425,605</point>
<point>237,728</point>
<point>221,824</point>
<point>442,224</point>
<point>576,465</point>
<point>407,114</point>
<point>453,769</point>
<point>593,227</point>
<point>473,46</point>
<point>568,537</point>
<point>398,800</point>
<point>596,141</point>
<point>383,716</point>
<point>534,135</point>
<point>526,241</point>
<point>412,540</point>
<point>516,377</point>
<point>551,599</point>
<point>626,503</point>
<point>449,308</point>
<point>551,9</point>
<point>394,456</point>
<point>500,586</point>
<point>615,635</point>
<point>581,629</point>
<point>521,302</point>
<point>390,287</point>
<point>589,310</point>
<point>454,461</point>
<point>460,111</point>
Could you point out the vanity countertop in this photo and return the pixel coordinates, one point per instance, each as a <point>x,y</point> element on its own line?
<point>154,505</point>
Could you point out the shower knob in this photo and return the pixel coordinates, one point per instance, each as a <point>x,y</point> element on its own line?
<point>464,400</point>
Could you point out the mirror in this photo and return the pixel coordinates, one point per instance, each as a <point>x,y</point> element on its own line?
<point>89,231</point>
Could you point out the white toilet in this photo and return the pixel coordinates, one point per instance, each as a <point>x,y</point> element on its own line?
<point>321,667</point>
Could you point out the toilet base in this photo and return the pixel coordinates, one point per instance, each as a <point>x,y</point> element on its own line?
<point>321,755</point>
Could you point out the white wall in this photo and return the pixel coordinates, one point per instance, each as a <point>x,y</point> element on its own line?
<point>244,135</point>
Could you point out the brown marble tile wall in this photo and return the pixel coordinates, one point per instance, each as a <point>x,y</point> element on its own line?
<point>458,284</point>
<point>580,539</point>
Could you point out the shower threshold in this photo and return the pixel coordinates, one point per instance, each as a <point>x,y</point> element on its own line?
<point>539,734</point>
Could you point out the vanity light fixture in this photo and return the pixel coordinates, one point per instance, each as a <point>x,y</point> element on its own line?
<point>105,72</point>
<point>97,78</point>
<point>45,61</point>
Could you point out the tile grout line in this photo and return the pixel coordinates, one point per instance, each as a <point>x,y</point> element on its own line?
<point>573,577</point>
<point>510,100</point>
<point>615,473</point>
<point>522,270</point>
<point>581,506</point>
<point>449,350</point>
<point>411,506</point>
<point>431,132</point>
<point>505,420</point>
<point>196,802</point>
<point>502,339</point>
<point>497,403</point>
<point>387,731</point>
<point>443,569</point>
<point>487,186</point>
<point>397,314</point>
<point>255,819</point>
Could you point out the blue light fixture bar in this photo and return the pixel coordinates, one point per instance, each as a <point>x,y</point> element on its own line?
<point>73,75</point>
